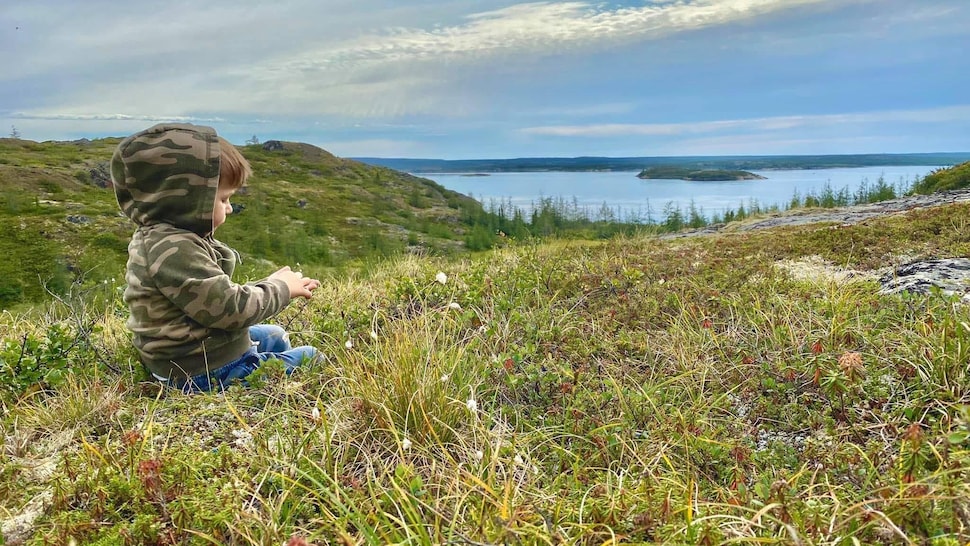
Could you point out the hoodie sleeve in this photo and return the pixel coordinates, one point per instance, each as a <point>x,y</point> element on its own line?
<point>186,274</point>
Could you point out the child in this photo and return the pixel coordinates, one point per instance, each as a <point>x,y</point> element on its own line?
<point>193,327</point>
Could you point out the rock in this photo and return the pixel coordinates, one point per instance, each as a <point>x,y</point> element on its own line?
<point>79,219</point>
<point>272,145</point>
<point>301,203</point>
<point>100,175</point>
<point>18,528</point>
<point>950,275</point>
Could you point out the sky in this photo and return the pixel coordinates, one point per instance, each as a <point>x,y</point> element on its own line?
<point>471,79</point>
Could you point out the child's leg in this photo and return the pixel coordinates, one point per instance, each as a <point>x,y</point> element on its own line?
<point>273,342</point>
<point>269,338</point>
<point>294,357</point>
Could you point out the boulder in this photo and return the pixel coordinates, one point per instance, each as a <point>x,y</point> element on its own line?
<point>79,219</point>
<point>949,275</point>
<point>101,175</point>
<point>272,145</point>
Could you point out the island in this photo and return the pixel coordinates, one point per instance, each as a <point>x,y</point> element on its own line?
<point>681,173</point>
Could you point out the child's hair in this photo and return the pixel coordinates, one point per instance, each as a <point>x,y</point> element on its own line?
<point>233,167</point>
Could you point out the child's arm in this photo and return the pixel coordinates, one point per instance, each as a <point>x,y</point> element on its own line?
<point>298,285</point>
<point>185,273</point>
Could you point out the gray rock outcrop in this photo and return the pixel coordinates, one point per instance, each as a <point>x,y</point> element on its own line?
<point>950,275</point>
<point>101,175</point>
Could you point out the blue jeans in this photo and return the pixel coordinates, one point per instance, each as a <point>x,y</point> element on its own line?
<point>269,342</point>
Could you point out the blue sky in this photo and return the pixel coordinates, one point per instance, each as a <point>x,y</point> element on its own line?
<point>492,78</point>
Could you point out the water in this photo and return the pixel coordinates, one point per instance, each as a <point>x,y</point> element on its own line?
<point>631,198</point>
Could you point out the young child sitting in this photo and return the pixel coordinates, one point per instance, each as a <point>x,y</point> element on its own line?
<point>195,329</point>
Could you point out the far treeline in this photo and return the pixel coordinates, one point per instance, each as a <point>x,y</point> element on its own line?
<point>740,162</point>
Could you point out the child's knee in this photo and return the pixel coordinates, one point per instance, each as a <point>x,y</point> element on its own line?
<point>273,330</point>
<point>269,338</point>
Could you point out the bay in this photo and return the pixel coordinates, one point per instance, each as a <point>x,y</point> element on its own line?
<point>630,198</point>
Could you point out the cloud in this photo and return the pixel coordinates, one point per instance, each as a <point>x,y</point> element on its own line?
<point>115,117</point>
<point>412,71</point>
<point>323,69</point>
<point>546,27</point>
<point>932,115</point>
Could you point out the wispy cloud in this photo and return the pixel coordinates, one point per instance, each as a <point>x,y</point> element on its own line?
<point>420,70</point>
<point>546,27</point>
<point>380,72</point>
<point>117,117</point>
<point>932,115</point>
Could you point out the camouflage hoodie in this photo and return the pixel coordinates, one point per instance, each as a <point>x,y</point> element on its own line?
<point>187,316</point>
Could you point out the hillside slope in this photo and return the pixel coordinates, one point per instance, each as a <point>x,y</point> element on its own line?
<point>302,204</point>
<point>951,178</point>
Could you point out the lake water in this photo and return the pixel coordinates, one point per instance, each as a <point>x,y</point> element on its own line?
<point>634,198</point>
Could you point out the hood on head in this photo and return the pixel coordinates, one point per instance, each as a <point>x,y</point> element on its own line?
<point>168,174</point>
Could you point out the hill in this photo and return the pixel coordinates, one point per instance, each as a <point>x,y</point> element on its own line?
<point>302,204</point>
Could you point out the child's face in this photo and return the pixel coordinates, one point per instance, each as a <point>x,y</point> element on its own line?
<point>222,207</point>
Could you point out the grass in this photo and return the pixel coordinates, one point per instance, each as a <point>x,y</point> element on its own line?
<point>697,391</point>
<point>301,205</point>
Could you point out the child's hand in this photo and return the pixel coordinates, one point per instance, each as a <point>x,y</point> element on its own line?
<point>299,285</point>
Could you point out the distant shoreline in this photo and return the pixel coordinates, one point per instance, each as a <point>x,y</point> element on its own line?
<point>637,164</point>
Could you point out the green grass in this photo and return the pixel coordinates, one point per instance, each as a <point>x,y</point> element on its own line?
<point>697,391</point>
<point>952,178</point>
<point>302,204</point>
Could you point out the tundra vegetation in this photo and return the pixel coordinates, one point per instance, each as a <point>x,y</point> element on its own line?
<point>631,389</point>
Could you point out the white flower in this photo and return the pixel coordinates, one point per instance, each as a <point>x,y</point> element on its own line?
<point>441,278</point>
<point>349,344</point>
<point>405,444</point>
<point>315,414</point>
<point>518,459</point>
<point>479,455</point>
<point>444,377</point>
<point>472,405</point>
<point>454,305</point>
<point>243,438</point>
<point>373,335</point>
